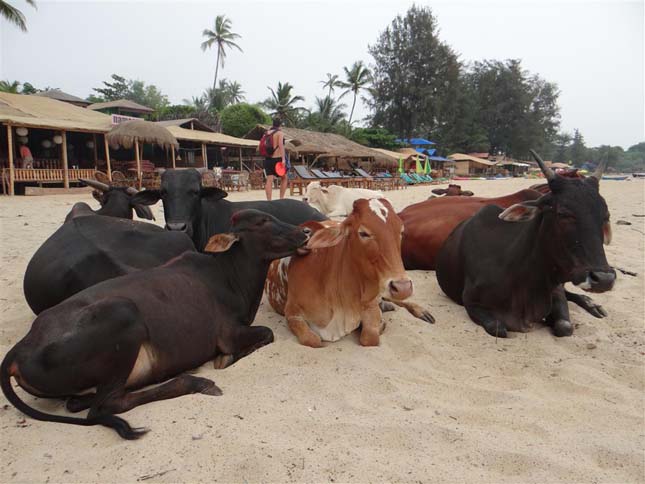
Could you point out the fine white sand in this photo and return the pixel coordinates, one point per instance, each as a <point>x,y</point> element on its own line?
<point>442,402</point>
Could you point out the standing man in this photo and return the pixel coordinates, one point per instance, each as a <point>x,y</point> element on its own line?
<point>278,157</point>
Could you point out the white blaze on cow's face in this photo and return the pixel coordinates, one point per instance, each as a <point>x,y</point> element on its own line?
<point>379,209</point>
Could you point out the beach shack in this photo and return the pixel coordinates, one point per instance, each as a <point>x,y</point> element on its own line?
<point>47,141</point>
<point>467,165</point>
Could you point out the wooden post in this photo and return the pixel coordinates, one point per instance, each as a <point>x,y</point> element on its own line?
<point>204,155</point>
<point>107,157</point>
<point>240,159</point>
<point>96,155</point>
<point>138,158</point>
<point>173,156</point>
<point>12,175</point>
<point>63,148</point>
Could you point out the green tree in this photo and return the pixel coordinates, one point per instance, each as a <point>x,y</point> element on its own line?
<point>357,78</point>
<point>518,111</point>
<point>331,83</point>
<point>375,138</point>
<point>413,71</point>
<point>10,87</point>
<point>119,88</point>
<point>578,149</point>
<point>282,103</point>
<point>328,116</point>
<point>238,119</point>
<point>235,92</point>
<point>223,38</point>
<point>28,88</point>
<point>562,144</point>
<point>12,15</point>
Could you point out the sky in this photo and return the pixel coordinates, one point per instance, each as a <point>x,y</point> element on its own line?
<point>593,50</point>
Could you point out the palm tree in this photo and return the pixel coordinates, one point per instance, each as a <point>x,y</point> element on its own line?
<point>224,38</point>
<point>281,103</point>
<point>327,116</point>
<point>11,87</point>
<point>15,16</point>
<point>331,83</point>
<point>235,92</point>
<point>356,78</point>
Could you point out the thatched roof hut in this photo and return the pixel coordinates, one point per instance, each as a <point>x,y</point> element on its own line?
<point>63,96</point>
<point>125,134</point>
<point>121,106</point>
<point>312,145</point>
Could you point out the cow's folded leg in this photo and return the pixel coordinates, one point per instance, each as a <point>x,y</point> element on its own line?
<point>303,332</point>
<point>586,303</point>
<point>177,387</point>
<point>371,325</point>
<point>559,318</point>
<point>490,323</point>
<point>414,309</point>
<point>243,340</point>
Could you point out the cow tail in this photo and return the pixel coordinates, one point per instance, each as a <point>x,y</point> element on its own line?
<point>118,424</point>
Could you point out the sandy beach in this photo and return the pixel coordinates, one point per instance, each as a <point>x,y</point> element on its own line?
<point>432,403</point>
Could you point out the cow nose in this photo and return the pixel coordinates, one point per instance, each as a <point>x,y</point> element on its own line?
<point>305,199</point>
<point>401,289</point>
<point>307,231</point>
<point>601,281</point>
<point>176,226</point>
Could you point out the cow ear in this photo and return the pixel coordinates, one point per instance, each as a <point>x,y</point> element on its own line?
<point>327,237</point>
<point>606,233</point>
<point>220,243</point>
<point>145,197</point>
<point>143,211</point>
<point>520,212</point>
<point>439,191</point>
<point>213,193</point>
<point>324,190</point>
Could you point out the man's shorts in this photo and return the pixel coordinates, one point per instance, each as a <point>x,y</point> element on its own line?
<point>269,166</point>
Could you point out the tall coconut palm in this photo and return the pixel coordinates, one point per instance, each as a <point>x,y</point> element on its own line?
<point>15,16</point>
<point>282,103</point>
<point>235,92</point>
<point>328,115</point>
<point>331,83</point>
<point>358,77</point>
<point>222,36</point>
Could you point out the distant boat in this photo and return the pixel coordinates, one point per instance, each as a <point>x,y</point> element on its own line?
<point>615,177</point>
<point>638,175</point>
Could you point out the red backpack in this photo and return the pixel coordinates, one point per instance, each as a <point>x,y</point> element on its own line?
<point>266,144</point>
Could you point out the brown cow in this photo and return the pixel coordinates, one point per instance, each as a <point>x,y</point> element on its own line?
<point>328,293</point>
<point>429,223</point>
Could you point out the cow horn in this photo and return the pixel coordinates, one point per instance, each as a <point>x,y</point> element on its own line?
<point>600,169</point>
<point>95,184</point>
<point>549,174</point>
<point>131,191</point>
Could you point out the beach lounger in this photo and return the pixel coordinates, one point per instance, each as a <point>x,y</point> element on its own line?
<point>302,177</point>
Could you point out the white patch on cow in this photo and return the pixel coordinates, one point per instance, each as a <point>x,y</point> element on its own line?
<point>283,270</point>
<point>341,325</point>
<point>379,209</point>
<point>142,367</point>
<point>586,284</point>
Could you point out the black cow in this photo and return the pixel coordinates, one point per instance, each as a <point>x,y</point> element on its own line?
<point>508,267</point>
<point>149,326</point>
<point>89,248</point>
<point>201,211</point>
<point>115,202</point>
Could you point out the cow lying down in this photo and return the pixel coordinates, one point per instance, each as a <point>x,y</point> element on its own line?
<point>150,327</point>
<point>336,201</point>
<point>336,288</point>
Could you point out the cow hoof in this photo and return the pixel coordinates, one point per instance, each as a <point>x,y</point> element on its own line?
<point>208,387</point>
<point>312,341</point>
<point>382,327</point>
<point>496,329</point>
<point>562,327</point>
<point>596,310</point>
<point>222,361</point>
<point>386,306</point>
<point>427,317</point>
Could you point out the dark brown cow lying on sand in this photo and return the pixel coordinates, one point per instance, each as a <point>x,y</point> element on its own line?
<point>328,293</point>
<point>151,326</point>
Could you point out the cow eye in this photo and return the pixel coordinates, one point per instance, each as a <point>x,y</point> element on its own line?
<point>364,234</point>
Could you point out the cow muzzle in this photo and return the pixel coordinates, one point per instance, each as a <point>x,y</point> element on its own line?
<point>599,281</point>
<point>176,226</point>
<point>400,289</point>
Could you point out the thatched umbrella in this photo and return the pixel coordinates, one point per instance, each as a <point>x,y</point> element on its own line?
<point>131,133</point>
